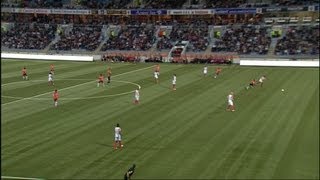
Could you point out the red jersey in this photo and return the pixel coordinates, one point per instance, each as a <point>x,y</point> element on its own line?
<point>52,67</point>
<point>55,96</point>
<point>101,78</point>
<point>109,72</point>
<point>218,70</point>
<point>157,68</point>
<point>24,71</point>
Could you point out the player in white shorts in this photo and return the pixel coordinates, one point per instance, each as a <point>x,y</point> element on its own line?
<point>261,80</point>
<point>230,102</point>
<point>156,77</point>
<point>205,71</point>
<point>50,79</point>
<point>174,81</point>
<point>136,96</point>
<point>117,137</point>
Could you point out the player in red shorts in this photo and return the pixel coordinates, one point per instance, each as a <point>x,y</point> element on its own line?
<point>157,69</point>
<point>218,71</point>
<point>52,69</point>
<point>55,97</point>
<point>109,75</point>
<point>24,73</point>
<point>100,80</point>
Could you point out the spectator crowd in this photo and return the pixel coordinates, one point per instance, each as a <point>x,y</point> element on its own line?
<point>28,36</point>
<point>81,37</point>
<point>244,40</point>
<point>299,41</point>
<point>132,37</point>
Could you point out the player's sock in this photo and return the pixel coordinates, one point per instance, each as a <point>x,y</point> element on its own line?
<point>56,104</point>
<point>98,85</point>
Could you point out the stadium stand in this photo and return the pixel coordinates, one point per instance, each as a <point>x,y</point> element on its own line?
<point>299,40</point>
<point>244,40</point>
<point>81,37</point>
<point>195,32</point>
<point>28,36</point>
<point>112,25</point>
<point>132,37</point>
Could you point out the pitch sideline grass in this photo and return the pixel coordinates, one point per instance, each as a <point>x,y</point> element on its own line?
<point>170,135</point>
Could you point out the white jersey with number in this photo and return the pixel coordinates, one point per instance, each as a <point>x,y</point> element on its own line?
<point>136,94</point>
<point>262,79</point>
<point>156,75</point>
<point>230,99</point>
<point>205,70</point>
<point>117,134</point>
<point>174,80</point>
<point>50,77</point>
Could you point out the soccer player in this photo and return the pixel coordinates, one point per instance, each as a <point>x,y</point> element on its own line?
<point>24,73</point>
<point>55,97</point>
<point>136,96</point>
<point>117,137</point>
<point>157,69</point>
<point>52,68</point>
<point>174,81</point>
<point>100,80</point>
<point>156,77</point>
<point>50,79</point>
<point>252,83</point>
<point>109,75</point>
<point>262,78</point>
<point>218,71</point>
<point>130,172</point>
<point>230,102</point>
<point>205,71</point>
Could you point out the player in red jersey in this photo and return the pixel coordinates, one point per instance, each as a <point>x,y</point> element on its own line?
<point>52,69</point>
<point>252,83</point>
<point>55,97</point>
<point>157,69</point>
<point>109,75</point>
<point>24,73</point>
<point>218,71</point>
<point>100,80</point>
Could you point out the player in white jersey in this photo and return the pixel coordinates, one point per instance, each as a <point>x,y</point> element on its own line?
<point>261,80</point>
<point>117,137</point>
<point>136,96</point>
<point>230,106</point>
<point>156,77</point>
<point>50,79</point>
<point>174,81</point>
<point>205,71</point>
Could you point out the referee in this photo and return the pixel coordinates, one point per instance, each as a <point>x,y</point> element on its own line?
<point>129,173</point>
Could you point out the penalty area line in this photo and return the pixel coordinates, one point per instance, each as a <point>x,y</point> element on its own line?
<point>70,87</point>
<point>15,177</point>
<point>78,98</point>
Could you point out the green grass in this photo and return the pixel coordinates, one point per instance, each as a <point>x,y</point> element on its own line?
<point>169,135</point>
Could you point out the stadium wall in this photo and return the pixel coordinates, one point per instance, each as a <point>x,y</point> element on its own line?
<point>46,57</point>
<point>282,62</point>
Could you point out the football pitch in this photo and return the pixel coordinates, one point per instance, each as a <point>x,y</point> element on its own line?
<point>182,134</point>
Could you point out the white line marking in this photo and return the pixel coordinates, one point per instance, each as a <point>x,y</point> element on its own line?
<point>22,81</point>
<point>78,98</point>
<point>72,86</point>
<point>13,177</point>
